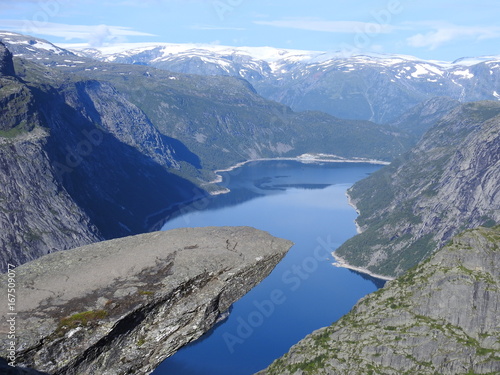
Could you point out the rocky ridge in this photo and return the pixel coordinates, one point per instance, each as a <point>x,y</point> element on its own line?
<point>439,318</point>
<point>122,306</point>
<point>447,183</point>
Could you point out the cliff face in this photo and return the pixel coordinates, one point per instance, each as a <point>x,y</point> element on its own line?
<point>447,183</point>
<point>6,63</point>
<point>37,214</point>
<point>78,164</point>
<point>122,306</point>
<point>439,318</point>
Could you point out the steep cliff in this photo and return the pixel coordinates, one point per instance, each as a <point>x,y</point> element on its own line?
<point>122,306</point>
<point>439,318</point>
<point>37,215</point>
<point>6,63</point>
<point>447,183</point>
<point>78,164</point>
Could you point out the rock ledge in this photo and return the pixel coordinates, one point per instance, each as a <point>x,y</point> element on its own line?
<point>122,306</point>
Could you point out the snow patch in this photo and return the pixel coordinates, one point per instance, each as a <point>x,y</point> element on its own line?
<point>463,73</point>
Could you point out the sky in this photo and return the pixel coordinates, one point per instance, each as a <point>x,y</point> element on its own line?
<point>428,29</point>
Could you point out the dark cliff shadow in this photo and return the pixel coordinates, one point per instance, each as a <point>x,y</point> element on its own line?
<point>182,152</point>
<point>6,369</point>
<point>118,187</point>
<point>379,283</point>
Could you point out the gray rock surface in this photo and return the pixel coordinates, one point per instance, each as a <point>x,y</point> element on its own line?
<point>6,369</point>
<point>122,306</point>
<point>37,216</point>
<point>440,318</point>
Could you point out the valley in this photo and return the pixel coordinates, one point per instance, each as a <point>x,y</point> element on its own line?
<point>101,147</point>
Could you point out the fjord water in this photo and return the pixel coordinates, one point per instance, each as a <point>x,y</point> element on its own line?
<point>305,203</point>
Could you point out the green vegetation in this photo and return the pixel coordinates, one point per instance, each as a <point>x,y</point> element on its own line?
<point>80,320</point>
<point>14,132</point>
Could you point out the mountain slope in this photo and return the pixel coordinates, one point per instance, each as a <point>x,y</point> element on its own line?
<point>439,318</point>
<point>424,116</point>
<point>447,183</point>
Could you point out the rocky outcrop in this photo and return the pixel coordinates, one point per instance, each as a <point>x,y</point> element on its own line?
<point>122,306</point>
<point>440,318</point>
<point>6,63</point>
<point>447,183</point>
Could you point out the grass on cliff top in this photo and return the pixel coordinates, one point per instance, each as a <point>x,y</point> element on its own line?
<point>14,132</point>
<point>82,319</point>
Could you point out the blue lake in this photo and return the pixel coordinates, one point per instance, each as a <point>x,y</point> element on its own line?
<point>305,203</point>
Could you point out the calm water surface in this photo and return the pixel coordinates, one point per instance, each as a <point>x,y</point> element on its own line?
<point>305,203</point>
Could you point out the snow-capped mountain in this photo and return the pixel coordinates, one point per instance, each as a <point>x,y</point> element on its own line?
<point>21,45</point>
<point>373,87</point>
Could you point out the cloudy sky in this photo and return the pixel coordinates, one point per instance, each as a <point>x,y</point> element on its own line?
<point>430,29</point>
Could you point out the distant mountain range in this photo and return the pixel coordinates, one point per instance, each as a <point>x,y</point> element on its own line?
<point>373,87</point>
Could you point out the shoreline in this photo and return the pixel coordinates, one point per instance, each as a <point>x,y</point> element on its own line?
<point>349,201</point>
<point>341,263</point>
<point>304,158</point>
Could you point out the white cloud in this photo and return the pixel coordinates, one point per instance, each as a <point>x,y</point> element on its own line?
<point>95,35</point>
<point>443,33</point>
<point>313,24</point>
